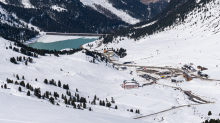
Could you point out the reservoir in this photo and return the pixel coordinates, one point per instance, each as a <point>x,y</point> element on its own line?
<point>50,42</point>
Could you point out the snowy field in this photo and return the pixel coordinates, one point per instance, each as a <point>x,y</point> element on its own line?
<point>181,44</point>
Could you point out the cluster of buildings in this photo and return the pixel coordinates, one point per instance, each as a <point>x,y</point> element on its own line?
<point>188,68</point>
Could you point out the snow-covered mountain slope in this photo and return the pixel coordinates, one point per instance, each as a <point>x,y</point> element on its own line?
<point>11,19</point>
<point>90,79</point>
<point>19,109</point>
<point>106,4</point>
<point>192,40</point>
<point>130,11</point>
<point>27,4</point>
<point>77,72</point>
<point>15,28</point>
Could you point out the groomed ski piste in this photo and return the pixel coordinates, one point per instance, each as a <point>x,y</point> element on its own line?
<point>183,43</point>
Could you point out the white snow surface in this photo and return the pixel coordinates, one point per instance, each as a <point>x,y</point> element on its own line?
<point>15,109</point>
<point>27,4</point>
<point>196,40</point>
<point>146,25</point>
<point>3,1</point>
<point>57,8</point>
<point>77,72</point>
<point>193,41</point>
<point>184,43</point>
<point>104,3</point>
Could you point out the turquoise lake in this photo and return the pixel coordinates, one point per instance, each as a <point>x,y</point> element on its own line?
<point>65,44</point>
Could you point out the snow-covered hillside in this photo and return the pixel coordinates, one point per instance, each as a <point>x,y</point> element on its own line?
<point>90,79</point>
<point>11,19</point>
<point>105,3</point>
<point>195,40</point>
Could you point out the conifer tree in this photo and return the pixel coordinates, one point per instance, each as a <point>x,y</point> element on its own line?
<point>67,87</point>
<point>46,81</point>
<point>28,93</point>
<point>36,79</point>
<point>16,83</point>
<point>19,89</point>
<point>47,94</point>
<point>74,99</point>
<point>72,102</point>
<point>39,96</point>
<point>51,100</point>
<point>22,83</point>
<point>74,105</point>
<point>59,83</point>
<point>26,63</point>
<point>62,96</point>
<point>65,101</point>
<point>100,102</point>
<point>90,109</point>
<point>5,86</point>
<point>103,103</point>
<point>84,105</point>
<point>17,76</point>
<point>27,86</point>
<point>108,104</point>
<point>23,77</point>
<point>116,107</point>
<point>209,113</point>
<point>77,99</point>
<point>78,106</point>
<point>95,97</point>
